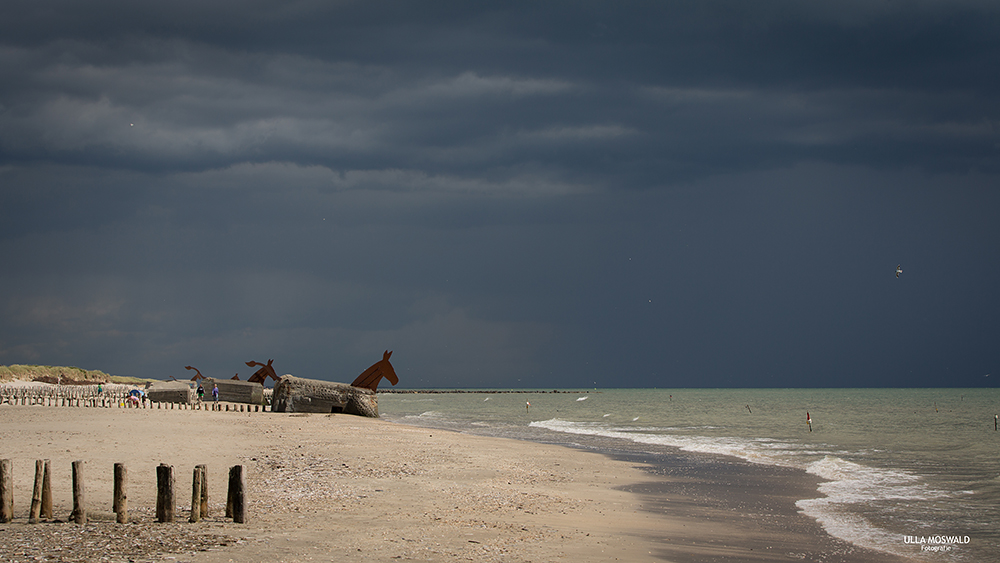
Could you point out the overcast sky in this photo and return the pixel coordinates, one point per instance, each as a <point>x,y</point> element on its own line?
<point>511,194</point>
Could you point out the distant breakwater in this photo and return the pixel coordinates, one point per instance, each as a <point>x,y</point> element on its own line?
<point>481,391</point>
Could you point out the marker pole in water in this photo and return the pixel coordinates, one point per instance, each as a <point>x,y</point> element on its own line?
<point>995,420</point>
<point>809,421</point>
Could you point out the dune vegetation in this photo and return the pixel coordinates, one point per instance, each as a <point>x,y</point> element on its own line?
<point>56,374</point>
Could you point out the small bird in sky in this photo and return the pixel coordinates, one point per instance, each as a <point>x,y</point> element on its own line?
<point>899,270</point>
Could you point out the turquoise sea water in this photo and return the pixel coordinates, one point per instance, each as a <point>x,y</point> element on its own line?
<point>909,471</point>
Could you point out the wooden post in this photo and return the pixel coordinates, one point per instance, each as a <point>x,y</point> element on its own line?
<point>165,493</point>
<point>204,490</point>
<point>237,488</point>
<point>121,498</point>
<point>79,506</point>
<point>36,495</point>
<point>47,492</point>
<point>230,491</point>
<point>196,495</point>
<point>6,492</point>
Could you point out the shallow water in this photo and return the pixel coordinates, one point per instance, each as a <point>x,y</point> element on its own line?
<point>909,471</point>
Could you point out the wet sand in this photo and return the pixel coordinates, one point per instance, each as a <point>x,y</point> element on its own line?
<point>725,509</point>
<point>345,488</point>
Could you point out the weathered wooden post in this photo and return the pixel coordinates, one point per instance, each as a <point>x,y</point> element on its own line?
<point>230,491</point>
<point>36,494</point>
<point>204,490</point>
<point>195,495</point>
<point>164,493</point>
<point>6,492</point>
<point>120,502</point>
<point>47,492</point>
<point>79,506</point>
<point>237,492</point>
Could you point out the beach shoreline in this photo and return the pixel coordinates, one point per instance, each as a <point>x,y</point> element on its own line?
<point>339,487</point>
<point>743,511</point>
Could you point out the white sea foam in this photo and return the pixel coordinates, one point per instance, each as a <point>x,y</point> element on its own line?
<point>426,415</point>
<point>737,447</point>
<point>853,482</point>
<point>850,484</point>
<point>846,483</point>
<point>583,398</point>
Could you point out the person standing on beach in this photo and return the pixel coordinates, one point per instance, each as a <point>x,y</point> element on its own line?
<point>201,393</point>
<point>215,394</point>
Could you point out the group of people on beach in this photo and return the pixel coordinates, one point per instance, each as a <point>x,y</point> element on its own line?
<point>135,396</point>
<point>215,393</point>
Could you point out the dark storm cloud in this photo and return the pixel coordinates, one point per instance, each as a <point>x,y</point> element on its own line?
<point>389,85</point>
<point>708,193</point>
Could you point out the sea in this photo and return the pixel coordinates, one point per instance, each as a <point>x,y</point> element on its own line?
<point>915,472</point>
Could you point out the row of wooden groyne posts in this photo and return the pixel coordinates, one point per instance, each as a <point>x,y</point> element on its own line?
<point>41,498</point>
<point>64,395</point>
<point>111,396</point>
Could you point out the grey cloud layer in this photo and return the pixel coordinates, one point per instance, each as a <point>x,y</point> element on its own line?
<point>491,88</point>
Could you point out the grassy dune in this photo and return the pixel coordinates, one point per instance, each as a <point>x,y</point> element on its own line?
<point>52,374</point>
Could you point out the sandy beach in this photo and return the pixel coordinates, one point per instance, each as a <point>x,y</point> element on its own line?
<point>343,488</point>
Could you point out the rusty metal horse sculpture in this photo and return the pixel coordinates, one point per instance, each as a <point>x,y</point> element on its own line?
<point>370,378</point>
<point>263,373</point>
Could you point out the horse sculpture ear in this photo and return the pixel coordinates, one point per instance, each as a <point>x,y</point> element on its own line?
<point>385,355</point>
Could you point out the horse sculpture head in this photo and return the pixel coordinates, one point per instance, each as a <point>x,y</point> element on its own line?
<point>369,379</point>
<point>263,373</point>
<point>197,374</point>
